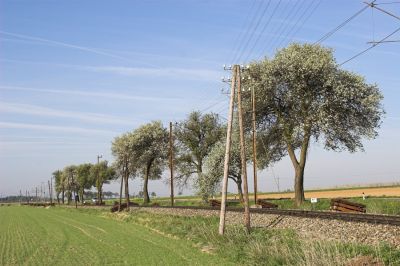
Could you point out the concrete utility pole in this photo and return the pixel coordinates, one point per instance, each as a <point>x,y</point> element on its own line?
<point>243,154</point>
<point>253,103</point>
<point>221,229</point>
<point>171,162</point>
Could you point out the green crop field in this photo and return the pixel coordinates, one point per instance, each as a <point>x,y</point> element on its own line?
<point>56,236</point>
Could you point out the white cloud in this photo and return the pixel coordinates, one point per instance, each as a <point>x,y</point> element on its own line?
<point>44,111</point>
<point>56,128</point>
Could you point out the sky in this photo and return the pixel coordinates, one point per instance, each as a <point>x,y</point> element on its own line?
<point>76,74</point>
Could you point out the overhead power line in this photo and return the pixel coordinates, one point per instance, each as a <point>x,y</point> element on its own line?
<point>246,35</point>
<point>382,10</point>
<point>283,26</point>
<point>263,29</point>
<point>297,29</point>
<point>253,32</point>
<point>239,36</point>
<point>372,46</point>
<point>330,33</point>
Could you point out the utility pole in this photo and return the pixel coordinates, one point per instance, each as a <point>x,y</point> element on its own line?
<point>171,162</point>
<point>48,182</point>
<point>51,189</point>
<point>36,197</point>
<point>243,153</point>
<point>98,191</point>
<point>221,229</point>
<point>253,103</point>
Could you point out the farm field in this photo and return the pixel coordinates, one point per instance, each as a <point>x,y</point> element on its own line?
<point>345,193</point>
<point>56,236</point>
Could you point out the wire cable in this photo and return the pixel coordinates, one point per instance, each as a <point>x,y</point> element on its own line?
<point>246,35</point>
<point>341,25</point>
<point>252,34</point>
<point>283,26</point>
<point>295,28</point>
<point>239,36</point>
<point>263,29</point>
<point>369,48</point>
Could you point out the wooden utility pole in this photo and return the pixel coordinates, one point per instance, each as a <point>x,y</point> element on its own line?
<point>48,182</point>
<point>51,190</point>
<point>253,103</point>
<point>243,154</point>
<point>98,191</point>
<point>221,229</point>
<point>171,162</point>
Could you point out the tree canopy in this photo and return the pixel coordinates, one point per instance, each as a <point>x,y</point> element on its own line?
<point>196,137</point>
<point>302,94</point>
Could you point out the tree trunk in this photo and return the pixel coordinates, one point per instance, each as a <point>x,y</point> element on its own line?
<point>299,167</point>
<point>299,185</point>
<point>100,194</point>
<point>146,182</point>
<point>63,196</point>
<point>240,191</point>
<point>120,194</point>
<point>145,190</point>
<point>127,193</point>
<point>81,195</point>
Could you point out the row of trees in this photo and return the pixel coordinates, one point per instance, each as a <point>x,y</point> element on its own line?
<point>74,179</point>
<point>301,96</point>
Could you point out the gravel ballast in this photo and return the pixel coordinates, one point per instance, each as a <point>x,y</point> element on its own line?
<point>310,228</point>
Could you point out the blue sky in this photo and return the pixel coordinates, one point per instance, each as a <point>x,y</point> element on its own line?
<point>75,74</point>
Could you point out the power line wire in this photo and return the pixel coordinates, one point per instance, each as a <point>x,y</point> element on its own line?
<point>292,32</point>
<point>245,36</point>
<point>283,26</point>
<point>263,29</point>
<point>306,19</point>
<point>369,48</point>
<point>341,25</point>
<point>252,34</point>
<point>239,36</point>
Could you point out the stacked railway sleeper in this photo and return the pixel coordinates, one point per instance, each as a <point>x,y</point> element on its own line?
<point>342,205</point>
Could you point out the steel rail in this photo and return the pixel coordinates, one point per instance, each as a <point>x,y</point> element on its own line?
<point>327,215</point>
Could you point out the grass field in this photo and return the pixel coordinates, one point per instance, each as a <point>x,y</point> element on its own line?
<point>61,236</point>
<point>57,236</point>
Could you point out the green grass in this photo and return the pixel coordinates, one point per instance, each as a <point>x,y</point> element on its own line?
<point>60,236</point>
<point>262,246</point>
<point>374,205</point>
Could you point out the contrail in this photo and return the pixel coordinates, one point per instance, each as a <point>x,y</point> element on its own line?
<point>68,45</point>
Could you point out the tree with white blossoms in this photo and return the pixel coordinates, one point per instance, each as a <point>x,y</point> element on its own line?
<point>304,96</point>
<point>196,136</point>
<point>209,183</point>
<point>150,147</point>
<point>125,162</point>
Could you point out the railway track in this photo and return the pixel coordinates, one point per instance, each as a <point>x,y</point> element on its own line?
<point>328,215</point>
<point>351,217</point>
